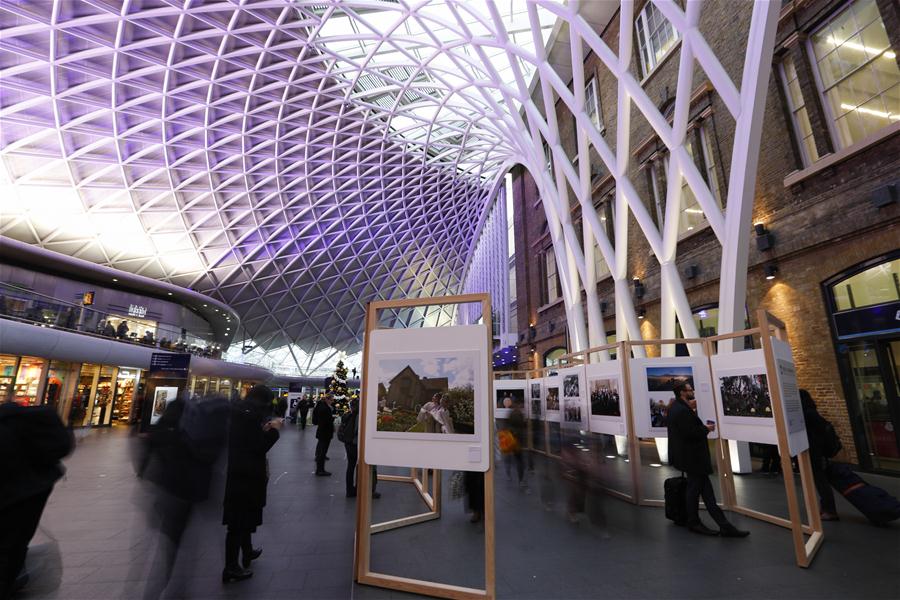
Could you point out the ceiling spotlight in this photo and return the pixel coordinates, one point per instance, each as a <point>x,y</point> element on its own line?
<point>771,271</point>
<point>642,313</point>
<point>170,293</point>
<point>114,279</point>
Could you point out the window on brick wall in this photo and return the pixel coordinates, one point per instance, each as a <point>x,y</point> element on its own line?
<point>799,115</point>
<point>592,104</point>
<point>551,288</point>
<point>655,35</point>
<point>605,215</point>
<point>856,73</point>
<point>548,158</point>
<point>691,216</point>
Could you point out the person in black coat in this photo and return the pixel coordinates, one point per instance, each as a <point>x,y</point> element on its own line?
<point>33,440</point>
<point>323,419</point>
<point>816,426</point>
<point>251,434</point>
<point>350,429</point>
<point>304,410</point>
<point>689,452</point>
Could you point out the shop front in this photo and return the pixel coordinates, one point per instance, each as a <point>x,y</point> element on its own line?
<point>865,322</point>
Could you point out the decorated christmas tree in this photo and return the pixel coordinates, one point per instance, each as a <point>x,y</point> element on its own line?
<point>338,389</point>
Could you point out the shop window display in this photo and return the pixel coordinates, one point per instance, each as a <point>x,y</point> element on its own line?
<point>28,380</point>
<point>101,413</point>
<point>124,397</point>
<point>8,366</point>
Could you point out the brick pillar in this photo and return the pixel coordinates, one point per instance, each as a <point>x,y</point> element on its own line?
<point>890,13</point>
<point>818,120</point>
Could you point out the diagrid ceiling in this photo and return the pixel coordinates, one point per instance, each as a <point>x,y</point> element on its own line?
<point>293,159</point>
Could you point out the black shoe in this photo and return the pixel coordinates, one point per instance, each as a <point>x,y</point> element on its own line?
<point>376,495</point>
<point>254,554</point>
<point>733,532</point>
<point>702,529</point>
<point>230,574</point>
<point>323,474</point>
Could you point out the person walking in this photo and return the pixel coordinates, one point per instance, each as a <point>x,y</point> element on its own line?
<point>517,426</point>
<point>349,435</point>
<point>323,419</point>
<point>689,452</point>
<point>253,432</point>
<point>33,441</point>
<point>816,431</point>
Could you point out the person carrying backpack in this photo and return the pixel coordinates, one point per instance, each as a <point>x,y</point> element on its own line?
<point>823,444</point>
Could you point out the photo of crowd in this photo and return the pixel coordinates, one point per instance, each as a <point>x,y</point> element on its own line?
<point>604,397</point>
<point>661,383</point>
<point>535,400</point>
<point>553,398</point>
<point>572,410</point>
<point>571,386</point>
<point>745,396</point>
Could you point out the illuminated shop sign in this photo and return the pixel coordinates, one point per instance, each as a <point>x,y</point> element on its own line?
<point>135,310</point>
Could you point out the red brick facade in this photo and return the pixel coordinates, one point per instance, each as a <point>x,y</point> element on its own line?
<point>821,219</point>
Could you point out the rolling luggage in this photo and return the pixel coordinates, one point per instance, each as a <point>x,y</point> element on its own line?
<point>873,502</point>
<point>676,507</point>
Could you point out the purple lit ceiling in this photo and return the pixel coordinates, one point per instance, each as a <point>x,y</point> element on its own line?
<point>293,159</point>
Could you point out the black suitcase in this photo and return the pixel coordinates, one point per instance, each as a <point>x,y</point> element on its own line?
<point>873,502</point>
<point>676,507</point>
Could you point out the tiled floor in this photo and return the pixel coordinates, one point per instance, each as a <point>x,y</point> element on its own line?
<point>98,515</point>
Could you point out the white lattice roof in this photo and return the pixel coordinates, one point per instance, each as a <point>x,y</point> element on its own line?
<point>295,159</point>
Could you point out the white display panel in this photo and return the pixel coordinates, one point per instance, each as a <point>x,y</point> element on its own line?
<point>552,397</point>
<point>405,427</point>
<point>162,398</point>
<point>508,391</point>
<point>606,398</point>
<point>652,380</point>
<point>795,424</point>
<point>573,405</point>
<point>534,405</point>
<point>743,398</point>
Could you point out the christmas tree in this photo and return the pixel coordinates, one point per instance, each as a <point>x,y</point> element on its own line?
<point>338,389</point>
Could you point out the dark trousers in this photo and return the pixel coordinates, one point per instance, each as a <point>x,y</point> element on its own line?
<point>17,526</point>
<point>699,486</point>
<point>303,414</point>
<point>321,452</point>
<point>475,489</point>
<point>236,540</point>
<point>826,495</point>
<point>520,464</point>
<point>350,477</point>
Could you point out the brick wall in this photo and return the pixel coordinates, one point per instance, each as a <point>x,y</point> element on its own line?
<point>822,225</point>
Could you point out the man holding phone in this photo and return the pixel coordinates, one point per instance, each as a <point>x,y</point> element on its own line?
<point>689,452</point>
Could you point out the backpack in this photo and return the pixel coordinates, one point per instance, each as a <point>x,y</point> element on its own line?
<point>344,434</point>
<point>508,442</point>
<point>831,443</point>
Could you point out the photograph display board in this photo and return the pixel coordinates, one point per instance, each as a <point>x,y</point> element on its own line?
<point>795,424</point>
<point>428,398</point>
<point>652,384</point>
<point>508,393</point>
<point>606,398</point>
<point>534,393</point>
<point>162,397</point>
<point>573,405</point>
<point>552,397</point>
<point>743,398</point>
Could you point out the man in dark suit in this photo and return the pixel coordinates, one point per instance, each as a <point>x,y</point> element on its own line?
<point>323,419</point>
<point>689,452</point>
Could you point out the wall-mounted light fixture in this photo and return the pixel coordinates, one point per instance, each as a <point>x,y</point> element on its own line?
<point>764,239</point>
<point>638,288</point>
<point>691,271</point>
<point>771,271</point>
<point>551,326</point>
<point>642,313</point>
<point>603,306</point>
<point>532,332</point>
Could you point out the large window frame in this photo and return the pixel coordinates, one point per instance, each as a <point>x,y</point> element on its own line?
<point>592,104</point>
<point>799,115</point>
<point>551,285</point>
<point>654,29</point>
<point>832,120</point>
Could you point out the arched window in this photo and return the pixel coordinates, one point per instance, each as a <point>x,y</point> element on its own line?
<point>877,284</point>
<point>552,356</point>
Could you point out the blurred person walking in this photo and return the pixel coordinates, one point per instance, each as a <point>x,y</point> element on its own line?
<point>304,410</point>
<point>689,452</point>
<point>823,444</point>
<point>517,427</point>
<point>33,440</point>
<point>252,433</point>
<point>323,419</point>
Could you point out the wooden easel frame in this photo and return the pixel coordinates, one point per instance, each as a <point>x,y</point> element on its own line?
<point>804,551</point>
<point>431,496</point>
<point>362,571</point>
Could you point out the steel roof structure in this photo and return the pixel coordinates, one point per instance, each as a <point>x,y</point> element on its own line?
<point>297,159</point>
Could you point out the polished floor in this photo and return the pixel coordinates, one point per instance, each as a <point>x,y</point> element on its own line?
<point>94,541</point>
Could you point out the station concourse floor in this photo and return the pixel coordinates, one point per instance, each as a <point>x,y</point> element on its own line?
<point>98,522</point>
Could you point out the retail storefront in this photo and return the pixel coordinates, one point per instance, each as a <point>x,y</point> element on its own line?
<point>865,321</point>
<point>82,394</point>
